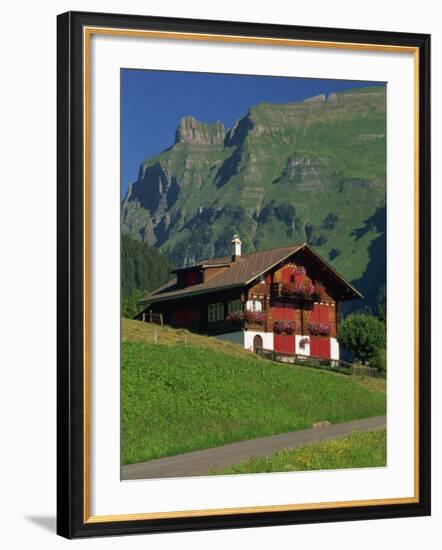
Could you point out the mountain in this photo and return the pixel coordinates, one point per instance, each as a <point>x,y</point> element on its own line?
<point>311,171</point>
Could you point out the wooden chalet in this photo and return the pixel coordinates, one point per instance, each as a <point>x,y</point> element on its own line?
<point>285,299</point>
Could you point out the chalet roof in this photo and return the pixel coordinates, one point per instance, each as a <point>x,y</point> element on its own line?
<point>239,273</point>
<point>212,262</point>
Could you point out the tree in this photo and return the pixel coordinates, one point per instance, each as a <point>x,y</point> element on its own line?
<point>143,268</point>
<point>363,335</point>
<point>381,304</point>
<point>330,221</point>
<point>379,360</point>
<point>129,304</point>
<point>334,253</point>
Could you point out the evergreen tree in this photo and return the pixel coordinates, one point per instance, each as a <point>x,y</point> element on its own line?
<point>143,269</point>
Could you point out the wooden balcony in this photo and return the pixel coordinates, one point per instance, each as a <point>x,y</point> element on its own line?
<point>278,291</point>
<point>251,325</point>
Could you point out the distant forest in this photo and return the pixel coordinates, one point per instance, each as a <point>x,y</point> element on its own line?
<point>143,269</point>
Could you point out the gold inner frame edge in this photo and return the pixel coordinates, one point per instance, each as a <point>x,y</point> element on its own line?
<point>87,34</point>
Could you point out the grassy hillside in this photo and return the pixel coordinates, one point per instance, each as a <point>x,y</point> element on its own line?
<point>183,392</point>
<point>359,450</point>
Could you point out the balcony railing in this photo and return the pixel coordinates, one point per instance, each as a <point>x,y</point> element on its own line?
<point>297,291</point>
<point>248,319</point>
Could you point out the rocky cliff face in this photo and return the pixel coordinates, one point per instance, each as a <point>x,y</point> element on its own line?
<point>310,171</point>
<point>191,130</point>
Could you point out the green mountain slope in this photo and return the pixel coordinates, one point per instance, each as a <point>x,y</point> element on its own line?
<point>311,171</point>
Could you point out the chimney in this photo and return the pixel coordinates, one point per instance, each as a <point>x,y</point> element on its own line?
<point>236,248</point>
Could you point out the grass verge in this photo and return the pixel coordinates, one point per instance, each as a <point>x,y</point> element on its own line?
<point>359,450</point>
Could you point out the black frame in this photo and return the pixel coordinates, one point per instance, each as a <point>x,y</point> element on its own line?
<point>70,291</point>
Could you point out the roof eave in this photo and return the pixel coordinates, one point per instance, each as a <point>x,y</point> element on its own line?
<point>155,299</point>
<point>199,266</point>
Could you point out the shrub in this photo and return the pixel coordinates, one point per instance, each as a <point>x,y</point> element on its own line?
<point>362,334</point>
<point>379,360</point>
<point>334,253</point>
<point>129,304</point>
<point>330,221</point>
<point>319,240</point>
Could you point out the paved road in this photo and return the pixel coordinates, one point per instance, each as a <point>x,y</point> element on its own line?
<point>202,462</point>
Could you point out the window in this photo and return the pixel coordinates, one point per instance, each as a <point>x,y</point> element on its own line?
<point>254,305</point>
<point>216,312</point>
<point>235,306</point>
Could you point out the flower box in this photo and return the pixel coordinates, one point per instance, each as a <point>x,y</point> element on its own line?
<point>255,317</point>
<point>286,327</point>
<point>319,329</point>
<point>298,290</point>
<point>237,317</point>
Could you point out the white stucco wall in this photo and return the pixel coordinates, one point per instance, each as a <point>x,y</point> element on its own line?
<point>245,338</point>
<point>334,348</point>
<point>298,349</point>
<point>267,339</point>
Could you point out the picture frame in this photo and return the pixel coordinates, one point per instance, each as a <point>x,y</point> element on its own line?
<point>75,516</point>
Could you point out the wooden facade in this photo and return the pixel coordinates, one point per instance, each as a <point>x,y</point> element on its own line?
<point>290,307</point>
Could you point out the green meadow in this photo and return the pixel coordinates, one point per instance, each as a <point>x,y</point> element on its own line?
<point>183,392</point>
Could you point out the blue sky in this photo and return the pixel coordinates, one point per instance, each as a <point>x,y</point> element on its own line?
<point>152,103</point>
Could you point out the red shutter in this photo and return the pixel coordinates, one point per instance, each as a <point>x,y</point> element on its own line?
<point>278,342</point>
<point>288,311</point>
<point>284,343</point>
<point>289,343</point>
<point>268,279</point>
<point>320,313</point>
<point>323,313</point>
<point>314,314</point>
<point>320,347</point>
<point>278,311</point>
<point>283,311</point>
<point>314,346</point>
<point>324,350</point>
